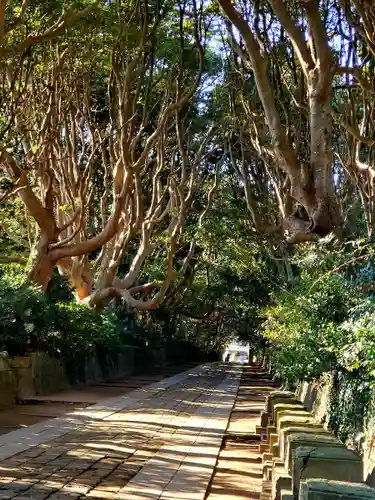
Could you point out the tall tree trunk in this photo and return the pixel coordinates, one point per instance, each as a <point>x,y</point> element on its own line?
<point>41,268</point>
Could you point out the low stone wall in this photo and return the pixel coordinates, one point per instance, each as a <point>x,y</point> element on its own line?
<point>8,383</point>
<point>298,451</point>
<point>48,373</point>
<point>37,374</point>
<point>315,396</point>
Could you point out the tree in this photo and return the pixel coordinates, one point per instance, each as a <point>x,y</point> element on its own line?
<point>103,131</point>
<point>301,150</point>
<point>117,136</point>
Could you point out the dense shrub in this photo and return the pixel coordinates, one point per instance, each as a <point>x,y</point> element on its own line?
<point>303,327</point>
<point>54,322</point>
<point>324,321</point>
<point>33,320</point>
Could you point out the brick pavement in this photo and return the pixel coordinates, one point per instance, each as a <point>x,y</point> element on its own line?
<point>238,472</point>
<point>160,442</point>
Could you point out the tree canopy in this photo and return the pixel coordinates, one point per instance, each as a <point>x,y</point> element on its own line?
<point>181,156</point>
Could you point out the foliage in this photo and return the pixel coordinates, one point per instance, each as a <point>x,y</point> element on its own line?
<point>324,322</point>
<point>231,275</point>
<point>31,319</point>
<point>350,406</point>
<point>311,324</point>
<point>55,323</point>
<point>165,166</point>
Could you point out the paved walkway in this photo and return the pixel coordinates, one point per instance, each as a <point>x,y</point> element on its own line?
<point>238,472</point>
<point>156,443</point>
<point>38,408</point>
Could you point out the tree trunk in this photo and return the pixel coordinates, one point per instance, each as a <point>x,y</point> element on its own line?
<point>41,269</point>
<point>323,211</point>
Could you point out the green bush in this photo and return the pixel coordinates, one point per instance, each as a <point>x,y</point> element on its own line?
<point>54,322</point>
<point>26,315</point>
<point>350,405</point>
<point>303,326</point>
<point>325,322</point>
<point>33,320</point>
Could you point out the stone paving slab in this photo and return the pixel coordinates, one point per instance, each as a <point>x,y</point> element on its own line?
<point>22,439</point>
<point>94,392</point>
<point>184,471</point>
<point>158,442</point>
<point>238,472</point>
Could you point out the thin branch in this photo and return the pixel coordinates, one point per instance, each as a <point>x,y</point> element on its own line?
<point>295,33</point>
<point>66,21</point>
